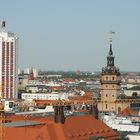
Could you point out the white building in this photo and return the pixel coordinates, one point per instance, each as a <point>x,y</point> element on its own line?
<point>35,72</point>
<point>19,71</point>
<point>29,97</point>
<point>8,65</point>
<point>8,104</point>
<point>134,91</point>
<point>26,71</point>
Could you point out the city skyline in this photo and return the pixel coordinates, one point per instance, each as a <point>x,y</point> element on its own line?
<point>73,35</point>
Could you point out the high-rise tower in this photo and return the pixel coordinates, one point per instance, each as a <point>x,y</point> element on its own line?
<point>110,83</point>
<point>111,100</point>
<point>8,64</point>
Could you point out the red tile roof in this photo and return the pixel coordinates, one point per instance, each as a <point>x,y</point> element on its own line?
<point>57,88</point>
<point>74,128</point>
<point>69,80</point>
<point>51,102</point>
<point>127,112</point>
<point>44,102</point>
<point>81,98</point>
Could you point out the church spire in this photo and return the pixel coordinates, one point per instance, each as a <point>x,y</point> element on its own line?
<point>110,41</point>
<point>110,68</point>
<point>110,57</point>
<point>110,51</point>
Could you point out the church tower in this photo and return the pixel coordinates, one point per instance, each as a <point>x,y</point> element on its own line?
<point>110,84</point>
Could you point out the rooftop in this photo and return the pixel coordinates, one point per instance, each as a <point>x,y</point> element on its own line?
<point>75,128</point>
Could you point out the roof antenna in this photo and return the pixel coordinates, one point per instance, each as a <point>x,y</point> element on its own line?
<point>2,25</point>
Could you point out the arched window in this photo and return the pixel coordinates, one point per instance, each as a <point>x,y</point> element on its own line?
<point>119,109</point>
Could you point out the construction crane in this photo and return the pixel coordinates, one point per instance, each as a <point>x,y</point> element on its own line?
<point>2,120</point>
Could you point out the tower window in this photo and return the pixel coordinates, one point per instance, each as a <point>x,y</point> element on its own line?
<point>106,78</point>
<point>106,95</point>
<point>119,109</point>
<point>106,106</point>
<point>113,78</point>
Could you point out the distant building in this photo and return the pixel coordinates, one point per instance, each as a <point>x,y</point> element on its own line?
<point>134,91</point>
<point>8,104</point>
<point>54,76</point>
<point>35,72</point>
<point>19,71</point>
<point>8,65</point>
<point>44,96</point>
<point>36,88</point>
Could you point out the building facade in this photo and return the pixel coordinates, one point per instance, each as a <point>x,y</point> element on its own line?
<point>29,97</point>
<point>8,65</point>
<point>110,83</point>
<point>110,87</point>
<point>111,99</point>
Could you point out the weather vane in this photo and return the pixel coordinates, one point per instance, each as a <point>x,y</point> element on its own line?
<point>111,33</point>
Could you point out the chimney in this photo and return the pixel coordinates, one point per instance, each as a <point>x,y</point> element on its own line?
<point>91,110</point>
<point>59,116</point>
<point>94,111</point>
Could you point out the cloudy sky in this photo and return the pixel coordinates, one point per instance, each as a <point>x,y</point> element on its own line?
<point>73,34</point>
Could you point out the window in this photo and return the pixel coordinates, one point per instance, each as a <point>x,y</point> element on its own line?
<point>106,78</point>
<point>106,95</point>
<point>119,109</point>
<point>106,106</point>
<point>10,104</point>
<point>113,78</point>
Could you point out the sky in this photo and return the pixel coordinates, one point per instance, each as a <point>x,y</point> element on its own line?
<point>73,34</point>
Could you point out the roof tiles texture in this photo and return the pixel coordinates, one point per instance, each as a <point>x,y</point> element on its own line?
<point>127,112</point>
<point>74,128</point>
